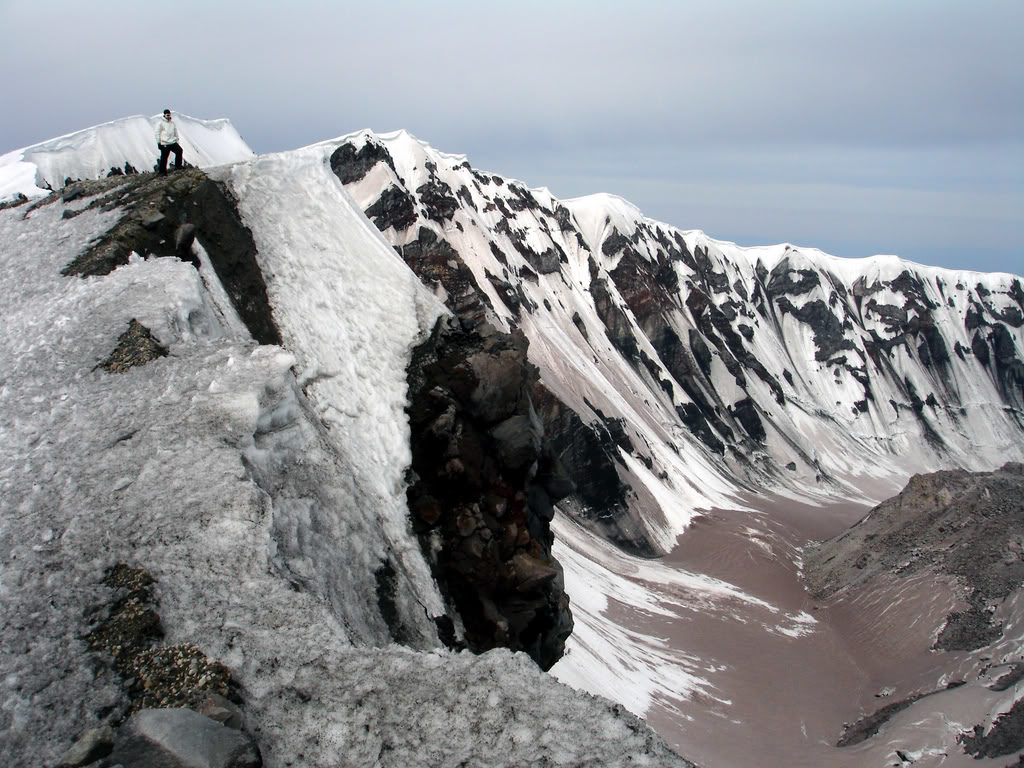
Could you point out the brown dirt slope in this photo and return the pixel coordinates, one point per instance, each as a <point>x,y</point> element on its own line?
<point>969,525</point>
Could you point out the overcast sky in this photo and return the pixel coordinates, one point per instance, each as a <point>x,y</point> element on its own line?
<point>858,127</point>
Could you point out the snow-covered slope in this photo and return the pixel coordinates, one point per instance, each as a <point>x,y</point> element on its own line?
<point>118,146</point>
<point>261,486</point>
<point>701,366</point>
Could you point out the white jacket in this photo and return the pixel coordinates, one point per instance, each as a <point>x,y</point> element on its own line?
<point>166,132</point>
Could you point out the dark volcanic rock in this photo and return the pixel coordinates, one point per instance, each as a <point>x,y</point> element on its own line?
<point>439,203</point>
<point>165,213</point>
<point>564,219</point>
<point>868,726</point>
<point>508,294</point>
<point>616,323</point>
<point>1005,738</point>
<point>980,349</point>
<point>394,208</point>
<point>746,414</point>
<point>969,630</point>
<point>498,253</point>
<point>545,263</point>
<point>648,288</point>
<point>713,282</point>
<point>829,338</point>
<point>781,280</point>
<point>350,165</point>
<point>894,318</point>
<point>614,243</point>
<point>483,482</point>
<point>435,262</point>
<point>466,197</point>
<point>1014,676</point>
<point>589,453</point>
<point>580,325</point>
<point>1009,367</point>
<point>935,344</point>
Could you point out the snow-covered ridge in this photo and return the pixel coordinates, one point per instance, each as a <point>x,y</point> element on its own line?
<point>262,487</point>
<point>92,153</point>
<point>771,364</point>
<point>647,336</point>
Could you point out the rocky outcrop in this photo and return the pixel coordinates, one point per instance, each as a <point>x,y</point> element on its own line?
<point>393,209</point>
<point>712,348</point>
<point>136,346</point>
<point>164,215</point>
<point>436,197</point>
<point>351,165</point>
<point>482,486</point>
<point>966,525</point>
<point>437,264</point>
<point>590,454</point>
<point>1006,737</point>
<point>829,336</point>
<point>783,280</point>
<point>616,322</point>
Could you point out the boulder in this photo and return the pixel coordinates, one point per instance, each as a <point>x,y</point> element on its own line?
<point>181,738</point>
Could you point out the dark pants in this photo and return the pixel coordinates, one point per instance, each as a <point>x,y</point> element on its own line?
<point>165,150</point>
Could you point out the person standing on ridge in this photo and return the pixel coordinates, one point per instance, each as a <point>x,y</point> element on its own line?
<point>167,140</point>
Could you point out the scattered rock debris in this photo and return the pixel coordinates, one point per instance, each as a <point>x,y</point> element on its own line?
<point>969,525</point>
<point>155,676</point>
<point>135,347</point>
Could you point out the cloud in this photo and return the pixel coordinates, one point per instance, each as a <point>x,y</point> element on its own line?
<point>864,105</point>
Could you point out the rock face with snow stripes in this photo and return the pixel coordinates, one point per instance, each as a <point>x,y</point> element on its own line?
<point>774,366</point>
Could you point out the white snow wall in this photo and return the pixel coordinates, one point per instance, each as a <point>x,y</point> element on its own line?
<point>350,312</point>
<point>93,153</point>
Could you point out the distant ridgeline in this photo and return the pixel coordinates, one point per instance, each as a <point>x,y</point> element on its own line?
<point>673,362</point>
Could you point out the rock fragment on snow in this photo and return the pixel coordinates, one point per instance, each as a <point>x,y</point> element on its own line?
<point>181,738</point>
<point>223,710</point>
<point>136,346</point>
<point>94,744</point>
